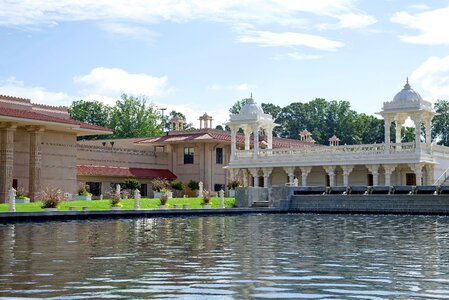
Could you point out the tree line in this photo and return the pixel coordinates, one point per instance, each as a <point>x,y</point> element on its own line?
<point>134,117</point>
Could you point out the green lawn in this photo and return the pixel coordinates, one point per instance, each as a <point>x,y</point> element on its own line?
<point>145,203</point>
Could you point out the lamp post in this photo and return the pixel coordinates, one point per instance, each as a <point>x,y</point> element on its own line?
<point>162,109</point>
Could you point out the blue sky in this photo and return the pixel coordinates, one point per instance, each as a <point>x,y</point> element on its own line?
<point>202,56</point>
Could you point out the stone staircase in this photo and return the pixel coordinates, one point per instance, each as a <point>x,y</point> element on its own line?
<point>443,179</point>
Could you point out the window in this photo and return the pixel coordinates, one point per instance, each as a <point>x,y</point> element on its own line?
<point>219,155</point>
<point>188,155</point>
<point>94,188</point>
<point>410,179</point>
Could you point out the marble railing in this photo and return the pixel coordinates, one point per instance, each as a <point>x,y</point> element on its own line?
<point>336,153</point>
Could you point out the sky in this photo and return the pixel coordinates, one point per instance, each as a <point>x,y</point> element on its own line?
<point>198,56</point>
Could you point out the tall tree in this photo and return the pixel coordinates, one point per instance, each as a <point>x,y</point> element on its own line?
<point>440,123</point>
<point>92,112</point>
<point>179,115</point>
<point>132,117</point>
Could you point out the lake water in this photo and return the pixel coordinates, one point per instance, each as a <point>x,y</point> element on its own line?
<point>293,256</point>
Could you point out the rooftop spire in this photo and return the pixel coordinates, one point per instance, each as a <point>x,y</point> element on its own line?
<point>407,85</point>
<point>250,100</point>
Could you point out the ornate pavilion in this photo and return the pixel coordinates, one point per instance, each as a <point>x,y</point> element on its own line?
<point>390,163</point>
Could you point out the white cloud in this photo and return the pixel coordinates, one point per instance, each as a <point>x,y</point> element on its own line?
<point>352,20</point>
<point>289,39</point>
<point>302,56</point>
<point>135,32</point>
<point>238,14</point>
<point>432,26</point>
<point>112,82</point>
<point>433,75</point>
<point>37,94</point>
<point>233,87</point>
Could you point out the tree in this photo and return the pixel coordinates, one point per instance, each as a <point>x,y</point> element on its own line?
<point>235,109</point>
<point>91,112</point>
<point>179,115</point>
<point>132,117</point>
<point>440,123</point>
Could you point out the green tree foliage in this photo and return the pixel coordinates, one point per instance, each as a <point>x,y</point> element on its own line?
<point>131,184</point>
<point>91,112</point>
<point>440,123</point>
<point>132,117</point>
<point>179,115</point>
<point>235,109</point>
<point>323,119</point>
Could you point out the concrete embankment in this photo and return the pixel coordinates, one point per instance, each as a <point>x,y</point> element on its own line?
<point>9,217</point>
<point>370,204</point>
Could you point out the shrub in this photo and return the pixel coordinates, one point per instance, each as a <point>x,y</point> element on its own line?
<point>163,199</point>
<point>176,185</point>
<point>159,183</point>
<point>51,197</point>
<point>206,197</point>
<point>186,191</point>
<point>234,183</point>
<point>193,185</point>
<point>82,190</point>
<point>131,184</point>
<point>116,200</point>
<point>21,193</point>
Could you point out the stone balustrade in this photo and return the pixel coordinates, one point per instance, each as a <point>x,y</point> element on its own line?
<point>345,153</point>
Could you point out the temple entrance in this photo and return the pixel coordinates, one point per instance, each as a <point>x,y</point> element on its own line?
<point>410,179</point>
<point>370,180</point>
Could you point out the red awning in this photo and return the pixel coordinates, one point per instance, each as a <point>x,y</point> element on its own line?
<point>109,171</point>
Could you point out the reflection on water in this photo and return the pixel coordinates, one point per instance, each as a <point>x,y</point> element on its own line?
<point>238,257</point>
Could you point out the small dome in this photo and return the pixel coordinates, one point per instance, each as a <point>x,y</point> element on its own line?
<point>407,94</point>
<point>251,108</point>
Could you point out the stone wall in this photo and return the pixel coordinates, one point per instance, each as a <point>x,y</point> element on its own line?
<point>245,197</point>
<point>401,204</point>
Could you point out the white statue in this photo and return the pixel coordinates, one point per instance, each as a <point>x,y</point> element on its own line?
<point>200,190</point>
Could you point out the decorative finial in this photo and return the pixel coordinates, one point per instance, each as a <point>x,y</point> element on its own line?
<point>251,96</point>
<point>407,85</point>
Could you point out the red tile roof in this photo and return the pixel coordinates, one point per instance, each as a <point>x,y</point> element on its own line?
<point>31,115</point>
<point>109,171</point>
<point>214,134</point>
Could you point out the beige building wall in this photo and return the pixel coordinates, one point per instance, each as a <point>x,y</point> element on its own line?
<point>58,169</point>
<point>204,168</point>
<point>133,157</point>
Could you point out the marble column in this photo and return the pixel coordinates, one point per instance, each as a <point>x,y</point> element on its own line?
<point>6,159</point>
<point>430,180</point>
<point>290,173</point>
<point>387,124</point>
<point>346,171</point>
<point>256,142</point>
<point>266,176</point>
<point>35,164</point>
<point>417,120</point>
<point>330,170</point>
<point>305,171</point>
<point>399,121</point>
<point>388,171</point>
<point>417,169</point>
<point>233,142</point>
<point>247,133</point>
<point>428,125</point>
<point>245,177</point>
<point>374,170</point>
<point>255,174</point>
<point>270,137</point>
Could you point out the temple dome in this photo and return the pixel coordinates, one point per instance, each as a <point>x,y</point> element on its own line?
<point>251,108</point>
<point>407,94</point>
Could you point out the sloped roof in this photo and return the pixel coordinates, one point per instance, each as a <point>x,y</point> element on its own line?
<point>110,171</point>
<point>32,115</point>
<point>216,135</point>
